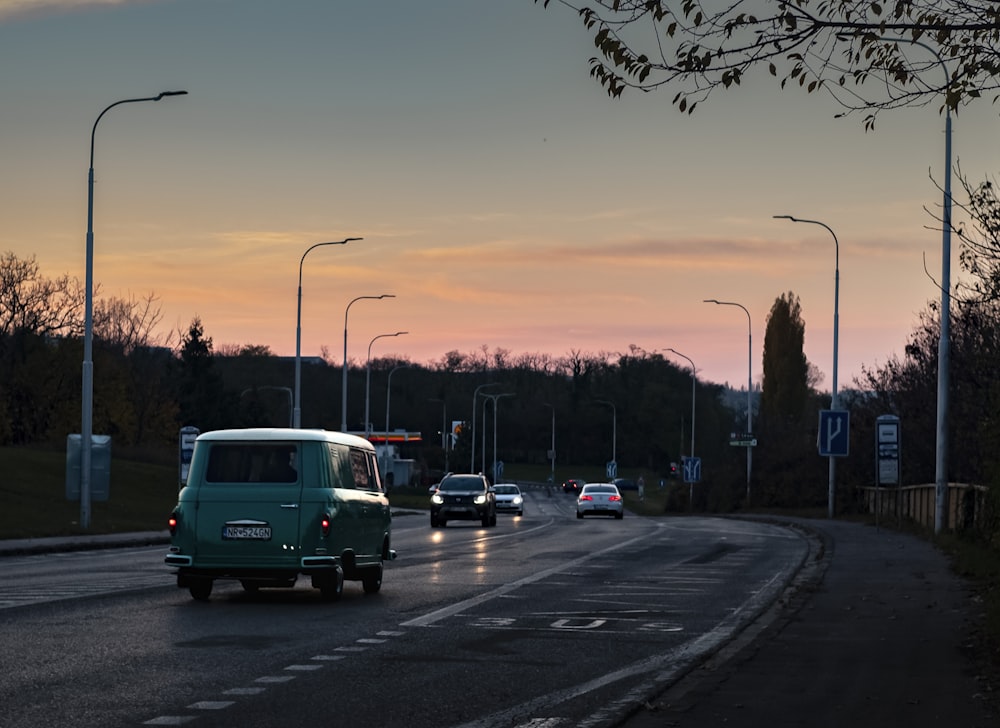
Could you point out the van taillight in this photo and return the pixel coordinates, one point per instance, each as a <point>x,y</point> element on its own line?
<point>172,522</point>
<point>324,526</point>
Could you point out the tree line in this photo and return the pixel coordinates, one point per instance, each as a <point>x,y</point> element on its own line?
<point>633,407</point>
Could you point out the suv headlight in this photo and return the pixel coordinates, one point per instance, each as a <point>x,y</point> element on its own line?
<point>437,499</point>
<point>480,499</point>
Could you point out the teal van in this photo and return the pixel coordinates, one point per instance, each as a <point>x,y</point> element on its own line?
<point>264,506</point>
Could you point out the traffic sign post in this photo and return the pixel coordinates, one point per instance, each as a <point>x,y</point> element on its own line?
<point>833,439</point>
<point>612,470</point>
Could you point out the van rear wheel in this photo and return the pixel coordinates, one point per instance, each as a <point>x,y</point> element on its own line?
<point>371,581</point>
<point>200,589</point>
<point>331,587</point>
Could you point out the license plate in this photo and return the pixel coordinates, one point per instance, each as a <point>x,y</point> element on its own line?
<point>246,533</point>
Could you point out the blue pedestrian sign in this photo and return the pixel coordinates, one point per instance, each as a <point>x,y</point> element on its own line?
<point>692,470</point>
<point>834,439</point>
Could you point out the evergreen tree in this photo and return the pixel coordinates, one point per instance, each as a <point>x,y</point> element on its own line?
<point>788,468</point>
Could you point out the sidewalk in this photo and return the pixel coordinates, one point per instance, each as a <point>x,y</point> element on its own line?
<point>13,546</point>
<point>881,634</point>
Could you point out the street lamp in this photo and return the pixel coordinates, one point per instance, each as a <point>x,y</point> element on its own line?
<point>552,449</point>
<point>87,396</point>
<point>475,396</point>
<point>614,430</point>
<point>445,432</point>
<point>836,327</point>
<point>343,390</point>
<point>493,398</point>
<point>944,343</point>
<point>749,385</point>
<point>693,381</point>
<point>297,410</point>
<point>368,375</point>
<point>388,392</point>
<point>693,376</point>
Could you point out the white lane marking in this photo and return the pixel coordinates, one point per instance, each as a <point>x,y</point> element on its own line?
<point>171,720</point>
<point>369,641</point>
<point>436,616</point>
<point>244,691</point>
<point>304,668</point>
<point>211,705</point>
<point>327,658</point>
<point>275,679</point>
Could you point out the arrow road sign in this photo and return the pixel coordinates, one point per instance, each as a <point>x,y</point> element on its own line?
<point>692,470</point>
<point>834,433</point>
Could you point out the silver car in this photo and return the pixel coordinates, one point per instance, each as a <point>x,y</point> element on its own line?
<point>509,498</point>
<point>600,499</point>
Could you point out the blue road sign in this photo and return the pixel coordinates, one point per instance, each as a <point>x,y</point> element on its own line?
<point>692,470</point>
<point>834,433</point>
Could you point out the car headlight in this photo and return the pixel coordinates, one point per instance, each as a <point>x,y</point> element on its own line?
<point>480,499</point>
<point>437,499</point>
<point>517,500</point>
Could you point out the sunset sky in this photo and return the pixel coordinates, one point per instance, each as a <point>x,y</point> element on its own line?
<point>504,199</point>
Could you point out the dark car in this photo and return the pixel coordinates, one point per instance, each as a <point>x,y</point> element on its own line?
<point>466,497</point>
<point>625,484</point>
<point>574,485</point>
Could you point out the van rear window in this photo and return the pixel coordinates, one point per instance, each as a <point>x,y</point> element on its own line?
<point>268,462</point>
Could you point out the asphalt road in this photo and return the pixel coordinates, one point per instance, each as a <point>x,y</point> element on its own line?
<point>543,620</point>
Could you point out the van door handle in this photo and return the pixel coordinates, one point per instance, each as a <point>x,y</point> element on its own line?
<point>289,505</point>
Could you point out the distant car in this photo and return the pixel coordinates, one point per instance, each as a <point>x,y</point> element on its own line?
<point>573,485</point>
<point>625,484</point>
<point>600,499</point>
<point>465,497</point>
<point>509,498</point>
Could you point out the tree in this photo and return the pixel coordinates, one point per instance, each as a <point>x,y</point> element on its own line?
<point>31,303</point>
<point>698,47</point>
<point>787,464</point>
<point>785,385</point>
<point>201,398</point>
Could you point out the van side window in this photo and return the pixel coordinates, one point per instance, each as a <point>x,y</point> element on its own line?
<point>359,469</point>
<point>341,467</point>
<point>252,463</point>
<point>365,471</point>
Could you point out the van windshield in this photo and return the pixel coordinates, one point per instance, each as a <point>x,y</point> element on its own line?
<point>268,462</point>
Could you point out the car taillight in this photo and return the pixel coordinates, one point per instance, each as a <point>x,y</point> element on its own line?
<point>172,523</point>
<point>324,526</point>
<point>614,498</point>
<point>586,497</point>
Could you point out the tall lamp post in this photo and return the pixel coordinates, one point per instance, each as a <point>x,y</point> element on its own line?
<point>552,449</point>
<point>693,382</point>
<point>475,398</point>
<point>297,409</point>
<point>343,388</point>
<point>368,375</point>
<point>388,392</point>
<point>87,395</point>
<point>493,398</point>
<point>445,431</point>
<point>749,384</point>
<point>944,343</point>
<point>614,429</point>
<point>831,493</point>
